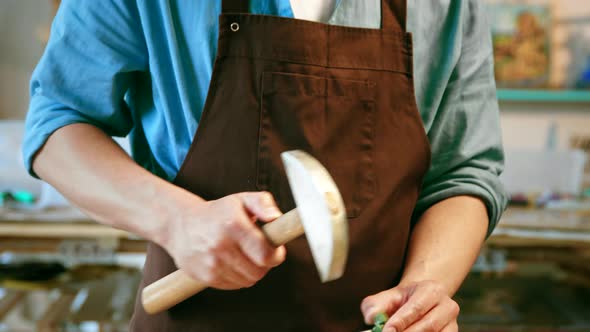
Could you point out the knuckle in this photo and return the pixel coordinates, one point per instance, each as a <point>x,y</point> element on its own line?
<point>232,203</point>
<point>235,208</point>
<point>415,308</point>
<point>233,225</point>
<point>233,197</point>
<point>368,302</point>
<point>260,253</point>
<point>221,204</point>
<point>257,259</point>
<point>455,309</point>
<point>266,255</point>
<point>265,198</point>
<point>396,325</point>
<point>429,325</point>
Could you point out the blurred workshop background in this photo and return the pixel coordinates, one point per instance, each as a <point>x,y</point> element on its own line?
<point>60,271</point>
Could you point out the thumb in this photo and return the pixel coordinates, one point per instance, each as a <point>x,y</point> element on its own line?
<point>386,302</point>
<point>260,204</point>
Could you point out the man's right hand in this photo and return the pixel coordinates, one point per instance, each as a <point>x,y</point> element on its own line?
<point>218,242</point>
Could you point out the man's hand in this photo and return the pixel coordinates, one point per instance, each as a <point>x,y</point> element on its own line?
<point>443,246</point>
<point>217,242</point>
<point>414,307</point>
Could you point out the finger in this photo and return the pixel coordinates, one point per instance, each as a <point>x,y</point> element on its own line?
<point>452,327</point>
<point>385,302</point>
<point>437,318</point>
<point>225,284</point>
<point>248,272</point>
<point>223,280</point>
<point>418,304</point>
<point>227,277</point>
<point>214,270</point>
<point>254,244</point>
<point>261,204</point>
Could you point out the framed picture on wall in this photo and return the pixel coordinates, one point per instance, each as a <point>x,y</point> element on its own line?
<point>521,35</point>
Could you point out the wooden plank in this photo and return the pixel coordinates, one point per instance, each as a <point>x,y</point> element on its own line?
<point>56,313</point>
<point>60,230</point>
<point>22,245</point>
<point>536,241</point>
<point>69,215</point>
<point>545,220</point>
<point>573,259</point>
<point>44,245</point>
<point>98,304</point>
<point>10,300</point>
<point>109,298</point>
<point>540,237</point>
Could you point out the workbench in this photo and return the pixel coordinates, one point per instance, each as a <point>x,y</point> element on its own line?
<point>561,238</point>
<point>48,231</point>
<point>523,235</point>
<point>98,284</point>
<point>43,231</point>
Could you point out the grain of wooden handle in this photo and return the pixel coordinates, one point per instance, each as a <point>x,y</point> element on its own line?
<point>178,286</point>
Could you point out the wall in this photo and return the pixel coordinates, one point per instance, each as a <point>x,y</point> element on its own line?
<point>24,24</point>
<point>23,27</point>
<point>527,125</point>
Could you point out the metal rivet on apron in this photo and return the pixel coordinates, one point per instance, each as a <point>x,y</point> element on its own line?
<point>234,27</point>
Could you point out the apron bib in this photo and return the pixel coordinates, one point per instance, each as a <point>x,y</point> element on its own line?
<point>346,96</point>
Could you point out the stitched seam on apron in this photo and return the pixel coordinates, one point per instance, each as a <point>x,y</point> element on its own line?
<point>304,62</point>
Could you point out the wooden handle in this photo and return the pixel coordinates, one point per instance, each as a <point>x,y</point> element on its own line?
<point>178,286</point>
<point>286,228</point>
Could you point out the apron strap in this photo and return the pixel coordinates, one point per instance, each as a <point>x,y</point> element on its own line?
<point>235,6</point>
<point>393,15</point>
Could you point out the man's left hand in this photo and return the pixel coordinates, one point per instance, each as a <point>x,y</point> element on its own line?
<point>413,307</point>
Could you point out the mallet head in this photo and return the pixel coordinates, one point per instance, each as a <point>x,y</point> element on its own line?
<point>321,210</point>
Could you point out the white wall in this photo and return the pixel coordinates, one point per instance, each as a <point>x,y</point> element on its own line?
<point>23,27</point>
<point>526,125</point>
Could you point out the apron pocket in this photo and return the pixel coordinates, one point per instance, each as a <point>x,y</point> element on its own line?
<point>332,119</point>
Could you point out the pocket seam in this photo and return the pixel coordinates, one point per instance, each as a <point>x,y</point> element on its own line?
<point>267,76</point>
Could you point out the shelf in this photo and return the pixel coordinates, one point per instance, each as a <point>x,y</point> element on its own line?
<point>557,96</point>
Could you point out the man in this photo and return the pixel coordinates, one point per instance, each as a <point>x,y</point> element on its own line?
<point>420,180</point>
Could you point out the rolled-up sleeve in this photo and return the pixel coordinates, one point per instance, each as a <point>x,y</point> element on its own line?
<point>86,71</point>
<point>465,136</point>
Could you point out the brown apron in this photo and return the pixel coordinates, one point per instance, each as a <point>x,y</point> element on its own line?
<point>346,96</point>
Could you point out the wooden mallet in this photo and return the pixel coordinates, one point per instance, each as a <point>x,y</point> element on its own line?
<point>320,214</point>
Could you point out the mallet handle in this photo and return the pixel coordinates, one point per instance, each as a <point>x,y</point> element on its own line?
<point>178,286</point>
